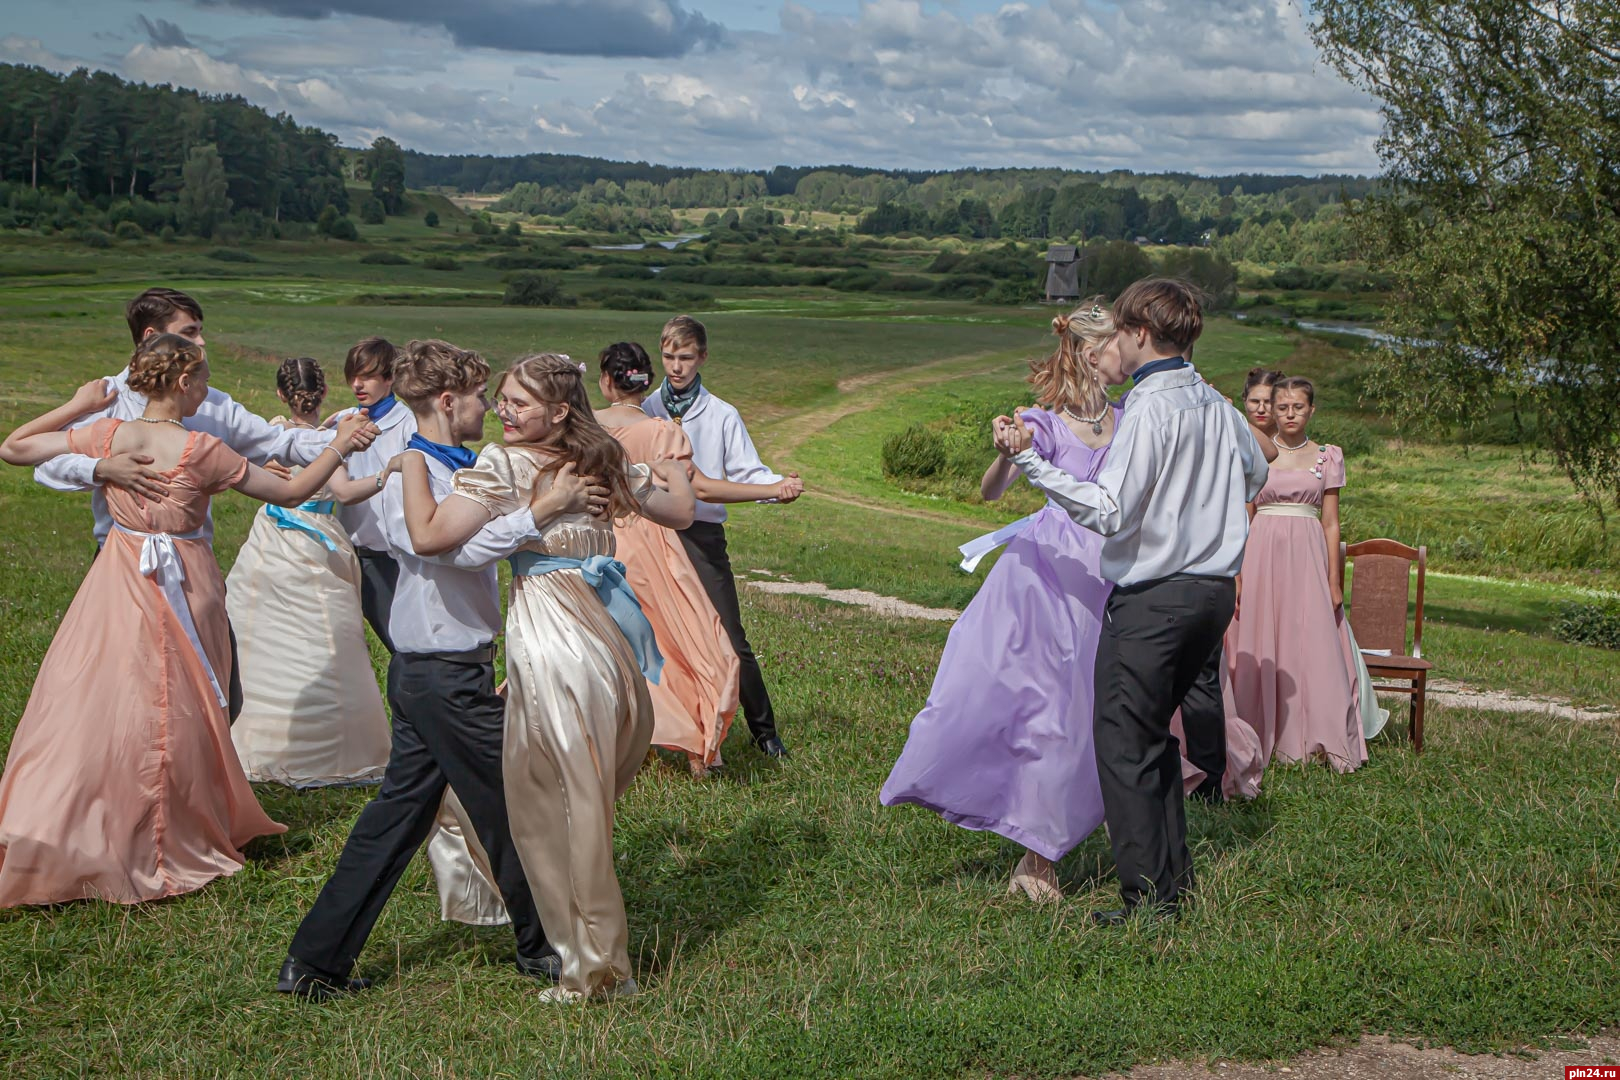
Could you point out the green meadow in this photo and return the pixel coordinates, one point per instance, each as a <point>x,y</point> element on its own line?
<point>783,923</point>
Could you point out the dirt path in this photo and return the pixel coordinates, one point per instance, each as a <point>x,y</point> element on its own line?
<point>1454,695</point>
<point>1377,1056</point>
<point>862,393</point>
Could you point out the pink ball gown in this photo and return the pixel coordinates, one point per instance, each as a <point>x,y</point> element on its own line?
<point>1292,666</point>
<point>122,783</point>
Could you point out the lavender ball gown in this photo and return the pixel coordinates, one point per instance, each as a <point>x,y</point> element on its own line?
<point>1005,741</point>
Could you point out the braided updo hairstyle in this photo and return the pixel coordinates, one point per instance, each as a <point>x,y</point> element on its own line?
<point>158,362</point>
<point>302,384</point>
<point>557,380</point>
<point>1064,379</point>
<point>627,366</point>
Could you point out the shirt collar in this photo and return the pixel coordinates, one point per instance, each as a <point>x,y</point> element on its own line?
<point>1171,363</point>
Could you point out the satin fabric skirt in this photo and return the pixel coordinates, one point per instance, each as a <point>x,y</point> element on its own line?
<point>696,694</point>
<point>579,721</point>
<point>1293,667</point>
<point>122,783</point>
<point>311,711</point>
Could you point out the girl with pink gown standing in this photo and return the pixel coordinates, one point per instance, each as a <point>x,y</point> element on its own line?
<point>1293,666</point>
<point>122,783</point>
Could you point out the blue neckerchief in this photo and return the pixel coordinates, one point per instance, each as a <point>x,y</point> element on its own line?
<point>605,574</point>
<point>678,401</point>
<point>1170,364</point>
<point>456,457</point>
<point>379,409</point>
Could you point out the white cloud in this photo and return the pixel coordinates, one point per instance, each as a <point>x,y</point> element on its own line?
<point>1193,85</point>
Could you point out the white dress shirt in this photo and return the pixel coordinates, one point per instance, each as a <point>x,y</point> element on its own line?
<point>362,519</point>
<point>721,446</point>
<point>219,415</point>
<point>449,602</point>
<point>1171,497</point>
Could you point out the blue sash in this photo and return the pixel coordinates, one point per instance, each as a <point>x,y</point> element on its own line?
<point>284,520</point>
<point>605,574</point>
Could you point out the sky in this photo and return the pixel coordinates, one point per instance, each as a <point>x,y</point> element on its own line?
<point>1205,86</point>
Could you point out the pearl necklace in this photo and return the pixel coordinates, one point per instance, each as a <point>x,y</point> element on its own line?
<point>1096,422</point>
<point>1284,446</point>
<point>625,405</point>
<point>161,420</point>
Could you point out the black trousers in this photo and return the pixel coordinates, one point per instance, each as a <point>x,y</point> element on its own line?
<point>448,727</point>
<point>1160,649</point>
<point>379,573</point>
<point>705,543</point>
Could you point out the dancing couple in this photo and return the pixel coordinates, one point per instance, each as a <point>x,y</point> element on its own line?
<point>1056,703</point>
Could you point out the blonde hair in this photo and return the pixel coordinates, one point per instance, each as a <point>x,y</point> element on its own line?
<point>556,380</point>
<point>684,330</point>
<point>1064,378</point>
<point>158,362</point>
<point>429,368</point>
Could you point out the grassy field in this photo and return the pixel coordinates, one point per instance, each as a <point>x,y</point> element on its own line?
<point>783,923</point>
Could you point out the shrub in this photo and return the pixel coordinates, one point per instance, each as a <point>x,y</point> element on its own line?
<point>342,228</point>
<point>129,230</point>
<point>372,212</point>
<point>514,229</point>
<point>1014,293</point>
<point>235,255</point>
<point>913,454</point>
<point>532,290</point>
<point>905,283</point>
<point>95,238</point>
<point>626,273</point>
<point>519,260</point>
<point>965,286</point>
<point>167,234</point>
<point>440,262</point>
<point>431,219</point>
<point>858,280</point>
<point>384,258</point>
<point>1589,623</point>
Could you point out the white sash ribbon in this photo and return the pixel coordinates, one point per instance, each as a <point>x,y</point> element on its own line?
<point>161,562</point>
<point>980,546</point>
<point>1281,509</point>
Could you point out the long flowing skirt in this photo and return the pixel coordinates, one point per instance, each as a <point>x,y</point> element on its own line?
<point>579,721</point>
<point>311,711</point>
<point>1293,667</point>
<point>122,783</point>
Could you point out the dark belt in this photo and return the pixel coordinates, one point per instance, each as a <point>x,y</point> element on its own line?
<point>372,553</point>
<point>484,654</point>
<point>1143,586</point>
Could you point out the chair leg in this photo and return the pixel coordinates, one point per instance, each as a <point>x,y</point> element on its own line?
<point>1420,687</point>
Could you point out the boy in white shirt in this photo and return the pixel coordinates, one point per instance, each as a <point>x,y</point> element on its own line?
<point>1170,505</point>
<point>721,450</point>
<point>449,723</point>
<point>369,371</point>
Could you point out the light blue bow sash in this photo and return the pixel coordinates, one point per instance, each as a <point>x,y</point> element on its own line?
<point>284,520</point>
<point>606,575</point>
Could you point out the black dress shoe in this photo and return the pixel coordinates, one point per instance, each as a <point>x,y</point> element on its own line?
<point>547,967</point>
<point>1208,792</point>
<point>1117,917</point>
<point>303,981</point>
<point>772,747</point>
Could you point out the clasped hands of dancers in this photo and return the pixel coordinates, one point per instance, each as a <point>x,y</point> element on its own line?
<point>623,626</point>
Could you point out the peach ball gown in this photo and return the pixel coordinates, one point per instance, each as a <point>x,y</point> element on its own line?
<point>696,697</point>
<point>122,783</point>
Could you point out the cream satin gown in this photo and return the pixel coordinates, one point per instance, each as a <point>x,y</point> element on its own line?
<point>579,721</point>
<point>311,711</point>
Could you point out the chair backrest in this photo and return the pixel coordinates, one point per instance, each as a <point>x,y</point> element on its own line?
<point>1380,589</point>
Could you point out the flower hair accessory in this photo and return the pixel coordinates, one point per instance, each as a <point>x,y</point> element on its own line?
<point>1096,312</point>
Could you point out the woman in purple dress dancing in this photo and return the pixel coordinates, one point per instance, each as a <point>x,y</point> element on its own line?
<point>1004,743</point>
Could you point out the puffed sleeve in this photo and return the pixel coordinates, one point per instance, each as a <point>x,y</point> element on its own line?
<point>671,443</point>
<point>1040,423</point>
<point>1332,468</point>
<point>216,466</point>
<point>93,440</point>
<point>641,484</point>
<point>493,481</point>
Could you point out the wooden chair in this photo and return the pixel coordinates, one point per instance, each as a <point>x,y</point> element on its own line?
<point>1378,618</point>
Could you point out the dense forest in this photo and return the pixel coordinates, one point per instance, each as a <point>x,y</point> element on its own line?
<point>167,156</point>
